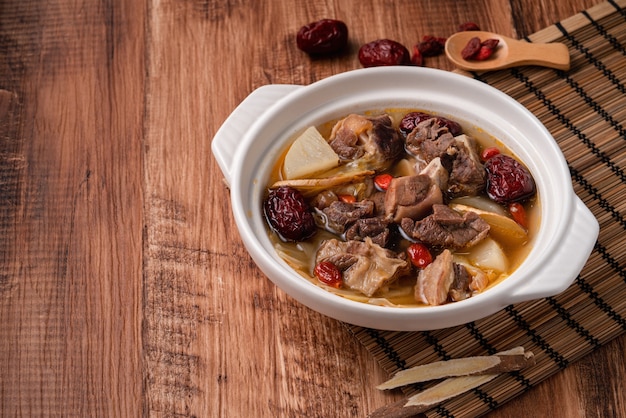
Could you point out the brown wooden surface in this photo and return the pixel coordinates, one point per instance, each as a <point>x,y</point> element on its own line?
<point>125,289</point>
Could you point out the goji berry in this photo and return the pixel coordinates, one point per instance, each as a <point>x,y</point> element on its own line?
<point>479,51</point>
<point>419,255</point>
<point>382,181</point>
<point>431,46</point>
<point>483,53</point>
<point>417,58</point>
<point>489,152</point>
<point>518,213</point>
<point>328,273</point>
<point>490,43</point>
<point>347,198</point>
<point>471,49</point>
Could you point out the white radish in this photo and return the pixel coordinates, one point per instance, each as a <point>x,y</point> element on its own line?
<point>488,255</point>
<point>308,155</point>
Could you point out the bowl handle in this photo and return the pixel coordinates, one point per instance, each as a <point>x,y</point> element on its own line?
<point>567,262</point>
<point>228,136</point>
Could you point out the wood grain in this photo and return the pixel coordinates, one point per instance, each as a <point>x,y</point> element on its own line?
<point>72,213</point>
<point>125,289</point>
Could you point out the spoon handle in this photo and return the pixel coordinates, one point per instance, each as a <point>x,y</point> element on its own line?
<point>552,55</point>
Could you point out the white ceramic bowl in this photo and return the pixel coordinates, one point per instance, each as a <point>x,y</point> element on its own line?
<point>258,130</point>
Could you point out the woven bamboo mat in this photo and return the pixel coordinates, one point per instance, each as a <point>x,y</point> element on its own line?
<point>585,110</point>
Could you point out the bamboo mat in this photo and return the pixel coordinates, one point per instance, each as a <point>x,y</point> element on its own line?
<point>585,110</point>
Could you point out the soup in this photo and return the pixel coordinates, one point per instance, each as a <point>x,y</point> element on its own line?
<point>401,208</point>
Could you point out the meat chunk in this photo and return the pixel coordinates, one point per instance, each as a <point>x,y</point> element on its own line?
<point>411,197</point>
<point>433,282</point>
<point>479,280</point>
<point>447,228</point>
<point>324,199</point>
<point>379,202</point>
<point>376,228</point>
<point>445,280</point>
<point>345,135</point>
<point>459,290</point>
<point>356,220</point>
<point>340,215</point>
<point>373,141</point>
<point>458,155</point>
<point>366,266</point>
<point>437,172</point>
<point>429,140</point>
<point>467,176</point>
<point>467,281</point>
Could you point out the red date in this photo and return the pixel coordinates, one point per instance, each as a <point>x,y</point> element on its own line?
<point>508,180</point>
<point>328,273</point>
<point>325,36</point>
<point>288,214</point>
<point>384,52</point>
<point>412,119</point>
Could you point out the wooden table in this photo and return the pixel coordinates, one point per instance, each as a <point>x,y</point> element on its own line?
<point>125,289</point>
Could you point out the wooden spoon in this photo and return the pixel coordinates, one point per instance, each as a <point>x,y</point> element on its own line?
<point>509,53</point>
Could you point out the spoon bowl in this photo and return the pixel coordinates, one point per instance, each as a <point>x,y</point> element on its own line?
<point>509,53</point>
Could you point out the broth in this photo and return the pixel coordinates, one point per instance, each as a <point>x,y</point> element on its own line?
<point>400,292</point>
